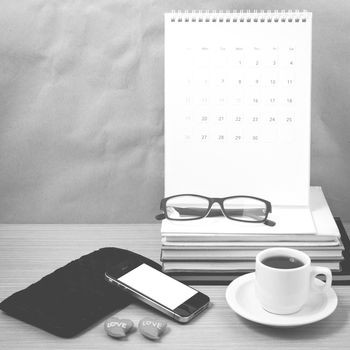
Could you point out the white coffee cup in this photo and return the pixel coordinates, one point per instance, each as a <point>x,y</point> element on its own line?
<point>285,291</point>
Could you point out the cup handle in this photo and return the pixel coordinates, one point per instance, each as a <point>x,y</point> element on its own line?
<point>318,270</point>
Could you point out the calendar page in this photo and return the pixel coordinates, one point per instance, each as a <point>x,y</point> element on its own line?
<point>237,105</point>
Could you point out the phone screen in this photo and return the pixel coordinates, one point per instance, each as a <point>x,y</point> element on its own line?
<point>157,286</point>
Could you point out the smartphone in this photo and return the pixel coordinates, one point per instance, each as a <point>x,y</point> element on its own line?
<point>158,290</point>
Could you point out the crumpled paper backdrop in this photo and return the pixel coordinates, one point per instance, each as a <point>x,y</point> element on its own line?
<point>81,107</point>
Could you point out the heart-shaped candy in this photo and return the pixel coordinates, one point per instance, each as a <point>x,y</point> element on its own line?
<point>152,328</point>
<point>117,328</point>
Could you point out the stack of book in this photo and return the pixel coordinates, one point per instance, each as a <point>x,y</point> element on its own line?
<point>205,251</point>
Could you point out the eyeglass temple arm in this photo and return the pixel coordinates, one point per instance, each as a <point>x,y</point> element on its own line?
<point>269,223</point>
<point>160,216</point>
<point>217,212</point>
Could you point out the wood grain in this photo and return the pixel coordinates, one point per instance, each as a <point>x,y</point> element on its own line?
<point>28,252</point>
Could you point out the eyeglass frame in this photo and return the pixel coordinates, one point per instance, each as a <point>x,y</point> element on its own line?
<point>220,201</point>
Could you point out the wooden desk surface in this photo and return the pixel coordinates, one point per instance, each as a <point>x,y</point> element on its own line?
<point>28,252</point>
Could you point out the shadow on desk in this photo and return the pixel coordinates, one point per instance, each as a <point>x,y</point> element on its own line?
<point>322,329</point>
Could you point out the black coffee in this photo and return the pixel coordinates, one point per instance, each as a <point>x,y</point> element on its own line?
<point>282,262</point>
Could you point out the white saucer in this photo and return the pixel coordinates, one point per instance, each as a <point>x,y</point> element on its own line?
<point>240,296</point>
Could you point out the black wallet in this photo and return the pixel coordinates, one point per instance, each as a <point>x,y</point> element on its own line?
<point>74,297</point>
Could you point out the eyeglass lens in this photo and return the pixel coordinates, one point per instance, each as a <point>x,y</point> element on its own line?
<point>246,209</point>
<point>186,207</point>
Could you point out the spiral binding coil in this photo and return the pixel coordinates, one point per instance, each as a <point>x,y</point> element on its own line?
<point>277,16</point>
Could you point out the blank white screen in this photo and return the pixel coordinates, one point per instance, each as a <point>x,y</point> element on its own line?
<point>158,286</point>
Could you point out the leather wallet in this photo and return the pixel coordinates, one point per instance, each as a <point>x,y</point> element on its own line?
<point>75,296</point>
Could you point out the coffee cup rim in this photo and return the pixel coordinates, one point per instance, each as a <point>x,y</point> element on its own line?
<point>286,251</point>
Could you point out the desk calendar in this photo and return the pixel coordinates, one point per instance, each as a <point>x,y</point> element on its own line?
<point>237,104</point>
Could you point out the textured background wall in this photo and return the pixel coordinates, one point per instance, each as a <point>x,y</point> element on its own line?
<point>81,106</point>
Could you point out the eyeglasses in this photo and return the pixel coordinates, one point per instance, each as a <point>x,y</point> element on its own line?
<point>184,207</point>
